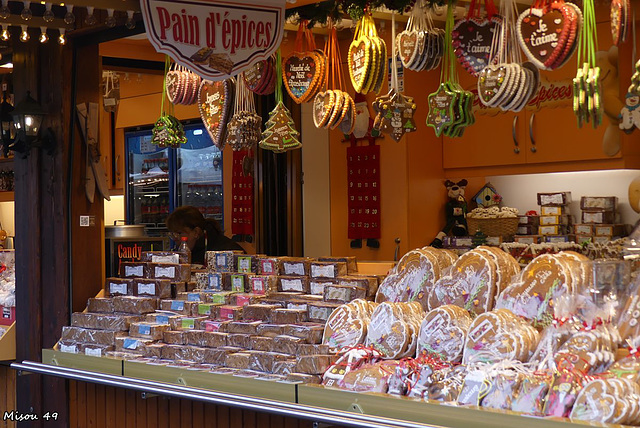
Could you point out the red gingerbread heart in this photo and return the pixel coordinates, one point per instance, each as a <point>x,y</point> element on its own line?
<point>543,35</point>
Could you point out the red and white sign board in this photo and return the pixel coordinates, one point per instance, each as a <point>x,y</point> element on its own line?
<point>216,39</point>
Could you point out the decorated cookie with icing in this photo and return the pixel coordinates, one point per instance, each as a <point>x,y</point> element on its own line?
<point>388,333</point>
<point>443,332</point>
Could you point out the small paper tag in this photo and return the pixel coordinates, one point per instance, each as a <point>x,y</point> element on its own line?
<point>257,285</point>
<point>144,329</point>
<point>204,309</point>
<point>217,299</point>
<point>221,260</point>
<point>162,319</point>
<point>167,258</point>
<point>244,264</point>
<point>267,266</point>
<point>291,284</point>
<point>165,272</point>
<point>327,271</point>
<point>177,305</point>
<point>317,288</point>
<point>131,344</point>
<point>133,271</point>
<point>237,283</point>
<point>144,288</point>
<point>194,297</point>
<point>294,268</point>
<point>188,323</point>
<point>117,288</point>
<point>94,352</point>
<point>215,282</point>
<point>6,312</point>
<point>72,349</point>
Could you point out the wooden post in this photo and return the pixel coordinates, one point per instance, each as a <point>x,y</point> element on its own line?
<point>45,205</point>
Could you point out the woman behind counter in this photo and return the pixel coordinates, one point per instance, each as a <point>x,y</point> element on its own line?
<point>202,234</point>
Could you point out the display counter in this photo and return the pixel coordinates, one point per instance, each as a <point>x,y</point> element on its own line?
<point>8,344</point>
<point>302,401</point>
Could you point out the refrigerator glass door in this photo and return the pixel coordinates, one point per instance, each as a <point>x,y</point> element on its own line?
<point>199,173</point>
<point>148,186</point>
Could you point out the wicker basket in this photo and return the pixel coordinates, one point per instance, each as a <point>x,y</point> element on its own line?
<point>505,227</point>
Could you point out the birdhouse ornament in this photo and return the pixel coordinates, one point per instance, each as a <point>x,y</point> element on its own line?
<point>487,197</point>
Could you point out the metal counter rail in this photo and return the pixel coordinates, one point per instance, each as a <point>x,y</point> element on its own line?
<point>316,414</point>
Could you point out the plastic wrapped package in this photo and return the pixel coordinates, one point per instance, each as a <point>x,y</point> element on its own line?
<point>172,352</point>
<point>283,297</point>
<point>178,287</point>
<point>102,321</point>
<point>172,257</point>
<point>312,349</point>
<point>132,344</point>
<point>118,287</point>
<point>317,285</point>
<point>303,378</point>
<point>176,306</point>
<point>504,387</point>
<point>349,261</point>
<point>195,338</point>
<point>284,367</point>
<point>294,266</point>
<point>123,355</point>
<point>271,330</point>
<point>298,304</point>
<point>262,284</point>
<point>220,261</point>
<point>368,282</point>
<point>239,340</point>
<point>157,318</point>
<point>293,284</point>
<point>343,293</point>
<point>184,323</point>
<point>192,296</point>
<point>135,305</point>
<point>68,346</point>
<point>219,298</point>
<point>230,313</point>
<point>268,266</point>
<point>264,361</point>
<point>368,377</point>
<point>171,337</point>
<point>134,270</point>
<point>205,309</point>
<point>153,350</point>
<point>152,288</point>
<point>310,332</point>
<point>261,343</point>
<point>260,312</point>
<point>191,286</point>
<point>244,327</point>
<point>245,263</point>
<point>148,330</point>
<point>287,344</point>
<point>213,339</point>
<point>194,353</point>
<point>531,394</point>
<point>288,316</point>
<point>218,356</point>
<point>239,360</point>
<point>244,299</point>
<point>269,300</point>
<point>202,280</point>
<point>86,335</point>
<point>327,269</point>
<point>320,312</point>
<point>102,305</point>
<point>314,364</point>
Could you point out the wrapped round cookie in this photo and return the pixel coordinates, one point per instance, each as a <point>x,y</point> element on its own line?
<point>443,332</point>
<point>471,284</point>
<point>412,279</point>
<point>532,296</point>
<point>344,328</point>
<point>388,333</point>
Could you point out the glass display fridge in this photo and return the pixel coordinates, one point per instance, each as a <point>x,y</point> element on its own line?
<point>159,180</point>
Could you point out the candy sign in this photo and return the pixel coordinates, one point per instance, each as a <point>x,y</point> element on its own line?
<point>215,39</point>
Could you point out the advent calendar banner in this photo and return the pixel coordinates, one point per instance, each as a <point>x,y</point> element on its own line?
<point>242,193</point>
<point>363,164</point>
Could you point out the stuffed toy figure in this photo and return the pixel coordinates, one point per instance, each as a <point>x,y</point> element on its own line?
<point>455,211</point>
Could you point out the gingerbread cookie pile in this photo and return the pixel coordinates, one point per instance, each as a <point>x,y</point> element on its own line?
<point>244,129</point>
<point>542,281</point>
<point>260,78</point>
<point>393,329</point>
<point>615,401</point>
<point>421,45</point>
<point>443,332</point>
<point>347,325</point>
<point>475,280</point>
<point>413,278</point>
<point>182,86</point>
<point>367,57</point>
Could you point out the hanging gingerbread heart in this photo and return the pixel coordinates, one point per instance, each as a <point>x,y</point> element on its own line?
<point>472,42</point>
<point>214,103</point>
<point>359,62</point>
<point>301,74</point>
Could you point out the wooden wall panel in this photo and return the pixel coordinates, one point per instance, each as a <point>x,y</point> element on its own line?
<point>7,394</point>
<point>119,408</point>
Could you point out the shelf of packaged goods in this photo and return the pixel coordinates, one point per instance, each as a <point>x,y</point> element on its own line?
<point>429,413</point>
<point>83,362</point>
<point>8,344</point>
<point>211,381</point>
<point>6,196</point>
